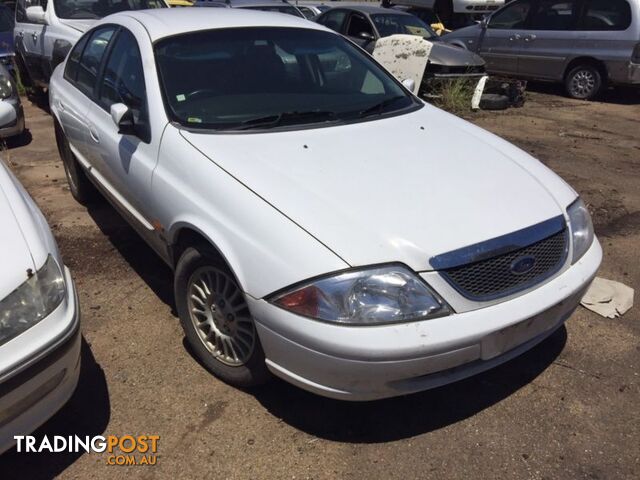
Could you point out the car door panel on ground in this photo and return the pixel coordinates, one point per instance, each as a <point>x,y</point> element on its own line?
<point>29,39</point>
<point>503,42</point>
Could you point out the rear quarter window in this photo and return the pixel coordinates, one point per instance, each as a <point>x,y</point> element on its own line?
<point>604,15</point>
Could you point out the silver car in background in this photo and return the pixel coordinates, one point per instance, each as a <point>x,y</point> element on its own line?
<point>585,44</point>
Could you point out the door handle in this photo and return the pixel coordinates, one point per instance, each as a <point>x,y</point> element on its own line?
<point>60,105</point>
<point>34,35</point>
<point>94,134</point>
<point>530,38</point>
<point>21,33</point>
<point>515,37</point>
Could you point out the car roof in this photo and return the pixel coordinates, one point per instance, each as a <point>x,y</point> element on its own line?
<point>165,22</point>
<point>369,9</point>
<point>240,3</point>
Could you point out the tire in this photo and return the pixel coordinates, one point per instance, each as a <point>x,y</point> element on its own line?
<point>583,82</point>
<point>493,101</point>
<point>216,320</point>
<point>80,186</point>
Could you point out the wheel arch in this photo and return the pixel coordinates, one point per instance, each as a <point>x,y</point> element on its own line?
<point>602,68</point>
<point>184,235</point>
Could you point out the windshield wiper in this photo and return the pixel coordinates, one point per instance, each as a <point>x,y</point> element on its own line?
<point>378,108</point>
<point>270,121</point>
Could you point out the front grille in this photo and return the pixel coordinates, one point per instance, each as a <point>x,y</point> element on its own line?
<point>494,277</point>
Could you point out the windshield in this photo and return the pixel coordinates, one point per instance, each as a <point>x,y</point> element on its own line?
<point>267,77</point>
<point>392,24</point>
<point>94,9</point>
<point>284,8</point>
<point>6,19</point>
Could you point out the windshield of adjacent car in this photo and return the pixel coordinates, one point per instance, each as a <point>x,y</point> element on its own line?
<point>284,8</point>
<point>272,77</point>
<point>94,9</point>
<point>6,19</point>
<point>392,24</point>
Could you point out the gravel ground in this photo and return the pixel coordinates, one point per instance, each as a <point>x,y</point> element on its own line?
<point>567,409</point>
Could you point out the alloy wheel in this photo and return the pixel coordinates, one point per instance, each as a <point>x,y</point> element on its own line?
<point>583,83</point>
<point>220,316</point>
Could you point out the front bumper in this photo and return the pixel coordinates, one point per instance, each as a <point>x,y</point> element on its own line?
<point>368,363</point>
<point>34,389</point>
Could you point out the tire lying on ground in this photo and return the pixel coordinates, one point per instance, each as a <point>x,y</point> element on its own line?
<point>494,101</point>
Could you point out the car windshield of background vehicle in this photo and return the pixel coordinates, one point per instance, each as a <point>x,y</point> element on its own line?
<point>390,24</point>
<point>6,19</point>
<point>278,8</point>
<point>267,77</point>
<point>93,9</point>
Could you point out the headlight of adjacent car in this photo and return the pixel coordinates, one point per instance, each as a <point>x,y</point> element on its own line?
<point>372,296</point>
<point>6,90</point>
<point>32,301</point>
<point>581,229</point>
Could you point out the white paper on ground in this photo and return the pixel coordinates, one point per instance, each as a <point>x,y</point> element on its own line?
<point>405,56</point>
<point>608,298</point>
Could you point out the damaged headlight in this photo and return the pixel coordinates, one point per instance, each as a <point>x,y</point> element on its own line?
<point>6,89</point>
<point>581,229</point>
<point>372,296</point>
<point>32,301</point>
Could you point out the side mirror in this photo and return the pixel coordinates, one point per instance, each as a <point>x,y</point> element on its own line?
<point>485,21</point>
<point>122,117</point>
<point>36,15</point>
<point>366,36</point>
<point>409,84</point>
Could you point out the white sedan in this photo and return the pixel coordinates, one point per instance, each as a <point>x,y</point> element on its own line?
<point>324,224</point>
<point>39,317</point>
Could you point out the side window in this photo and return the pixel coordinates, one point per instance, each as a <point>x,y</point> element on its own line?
<point>22,5</point>
<point>91,59</point>
<point>606,15</point>
<point>512,16</point>
<point>71,68</point>
<point>123,81</point>
<point>334,19</point>
<point>554,15</point>
<point>358,25</point>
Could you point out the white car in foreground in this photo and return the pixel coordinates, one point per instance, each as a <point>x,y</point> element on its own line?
<point>323,223</point>
<point>39,317</point>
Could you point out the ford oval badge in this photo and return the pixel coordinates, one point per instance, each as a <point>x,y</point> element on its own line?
<point>522,265</point>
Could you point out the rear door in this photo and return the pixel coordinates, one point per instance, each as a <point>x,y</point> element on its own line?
<point>29,39</point>
<point>551,39</point>
<point>503,42</point>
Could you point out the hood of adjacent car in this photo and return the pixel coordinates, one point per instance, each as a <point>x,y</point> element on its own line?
<point>15,256</point>
<point>79,25</point>
<point>451,56</point>
<point>400,189</point>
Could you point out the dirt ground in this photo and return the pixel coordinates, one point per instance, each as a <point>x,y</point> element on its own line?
<point>569,408</point>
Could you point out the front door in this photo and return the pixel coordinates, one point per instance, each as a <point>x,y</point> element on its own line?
<point>360,30</point>
<point>503,41</point>
<point>127,160</point>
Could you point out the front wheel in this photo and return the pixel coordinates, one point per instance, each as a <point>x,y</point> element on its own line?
<point>583,82</point>
<point>216,319</point>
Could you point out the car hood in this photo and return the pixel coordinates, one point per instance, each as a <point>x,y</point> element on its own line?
<point>15,256</point>
<point>451,56</point>
<point>400,189</point>
<point>80,25</point>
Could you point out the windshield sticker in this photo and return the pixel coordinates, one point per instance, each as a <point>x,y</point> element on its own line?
<point>194,120</point>
<point>181,97</point>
